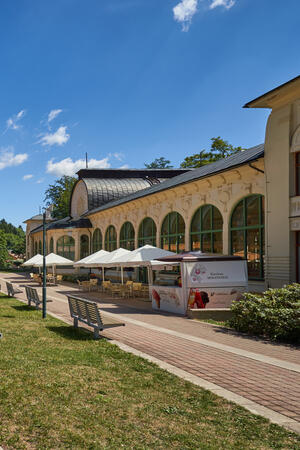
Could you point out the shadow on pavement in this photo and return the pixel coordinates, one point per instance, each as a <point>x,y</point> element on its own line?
<point>253,338</point>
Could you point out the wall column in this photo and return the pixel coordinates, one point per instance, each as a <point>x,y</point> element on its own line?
<point>187,239</point>
<point>76,237</point>
<point>226,236</point>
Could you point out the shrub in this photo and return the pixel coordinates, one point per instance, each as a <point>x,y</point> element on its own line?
<point>73,278</point>
<point>274,314</point>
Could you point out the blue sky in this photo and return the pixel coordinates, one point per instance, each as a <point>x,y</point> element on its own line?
<point>131,80</point>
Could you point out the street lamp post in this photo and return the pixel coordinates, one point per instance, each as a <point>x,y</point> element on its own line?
<point>44,267</point>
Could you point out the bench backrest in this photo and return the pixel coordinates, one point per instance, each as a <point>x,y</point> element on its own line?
<point>85,310</point>
<point>32,295</point>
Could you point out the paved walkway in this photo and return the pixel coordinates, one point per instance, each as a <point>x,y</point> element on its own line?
<point>262,376</point>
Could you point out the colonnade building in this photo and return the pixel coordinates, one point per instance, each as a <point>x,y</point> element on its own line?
<point>246,205</point>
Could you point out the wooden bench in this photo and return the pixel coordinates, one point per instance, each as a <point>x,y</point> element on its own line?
<point>33,296</point>
<point>88,312</point>
<point>11,290</point>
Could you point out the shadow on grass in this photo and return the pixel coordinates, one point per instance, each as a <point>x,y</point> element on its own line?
<point>24,308</point>
<point>69,332</point>
<point>5,296</point>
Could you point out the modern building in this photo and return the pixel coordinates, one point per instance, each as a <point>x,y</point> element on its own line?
<point>247,204</point>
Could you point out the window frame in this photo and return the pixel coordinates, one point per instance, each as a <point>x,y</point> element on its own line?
<point>210,231</point>
<point>142,239</point>
<point>98,241</point>
<point>297,174</point>
<point>172,235</point>
<point>127,241</point>
<point>51,245</point>
<point>84,254</point>
<point>108,242</point>
<point>244,228</point>
<point>66,254</point>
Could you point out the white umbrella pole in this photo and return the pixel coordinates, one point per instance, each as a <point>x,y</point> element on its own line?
<point>122,275</point>
<point>103,276</point>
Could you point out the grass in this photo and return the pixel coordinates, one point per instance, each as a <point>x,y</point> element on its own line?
<point>61,389</point>
<point>214,322</point>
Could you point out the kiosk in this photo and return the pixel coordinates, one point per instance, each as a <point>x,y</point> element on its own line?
<point>197,280</point>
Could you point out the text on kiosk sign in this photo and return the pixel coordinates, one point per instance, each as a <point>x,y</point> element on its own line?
<point>216,273</point>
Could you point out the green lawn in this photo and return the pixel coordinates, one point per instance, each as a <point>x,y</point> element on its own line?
<point>61,389</point>
<point>214,322</point>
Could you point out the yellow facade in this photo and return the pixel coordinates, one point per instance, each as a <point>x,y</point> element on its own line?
<point>273,176</point>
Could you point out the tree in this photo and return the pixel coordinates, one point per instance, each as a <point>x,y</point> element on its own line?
<point>197,160</point>
<point>219,149</point>
<point>3,249</point>
<point>159,163</point>
<point>15,237</point>
<point>59,195</point>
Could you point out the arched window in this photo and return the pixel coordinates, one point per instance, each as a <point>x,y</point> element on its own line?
<point>40,247</point>
<point>172,232</point>
<point>51,246</point>
<point>147,232</point>
<point>97,240</point>
<point>35,248</point>
<point>206,230</point>
<point>110,239</point>
<point>84,246</point>
<point>127,236</point>
<point>66,247</point>
<point>247,233</point>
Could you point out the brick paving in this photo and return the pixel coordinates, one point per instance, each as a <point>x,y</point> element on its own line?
<point>274,387</point>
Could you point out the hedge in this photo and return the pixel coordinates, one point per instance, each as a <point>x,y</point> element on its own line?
<point>274,314</point>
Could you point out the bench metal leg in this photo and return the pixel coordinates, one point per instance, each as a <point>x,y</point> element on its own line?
<point>75,322</point>
<point>96,333</point>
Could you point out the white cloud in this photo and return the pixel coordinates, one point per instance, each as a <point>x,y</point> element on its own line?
<point>53,114</point>
<point>40,181</point>
<point>27,177</point>
<point>184,12</point>
<point>8,158</point>
<point>118,156</point>
<point>59,137</point>
<point>125,166</point>
<point>226,3</point>
<point>69,167</point>
<point>12,122</point>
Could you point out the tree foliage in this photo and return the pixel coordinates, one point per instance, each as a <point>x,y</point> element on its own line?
<point>219,149</point>
<point>59,195</point>
<point>3,249</point>
<point>159,163</point>
<point>15,238</point>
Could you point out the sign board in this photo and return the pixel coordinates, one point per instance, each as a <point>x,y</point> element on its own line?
<point>215,274</point>
<point>168,298</point>
<point>213,297</point>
